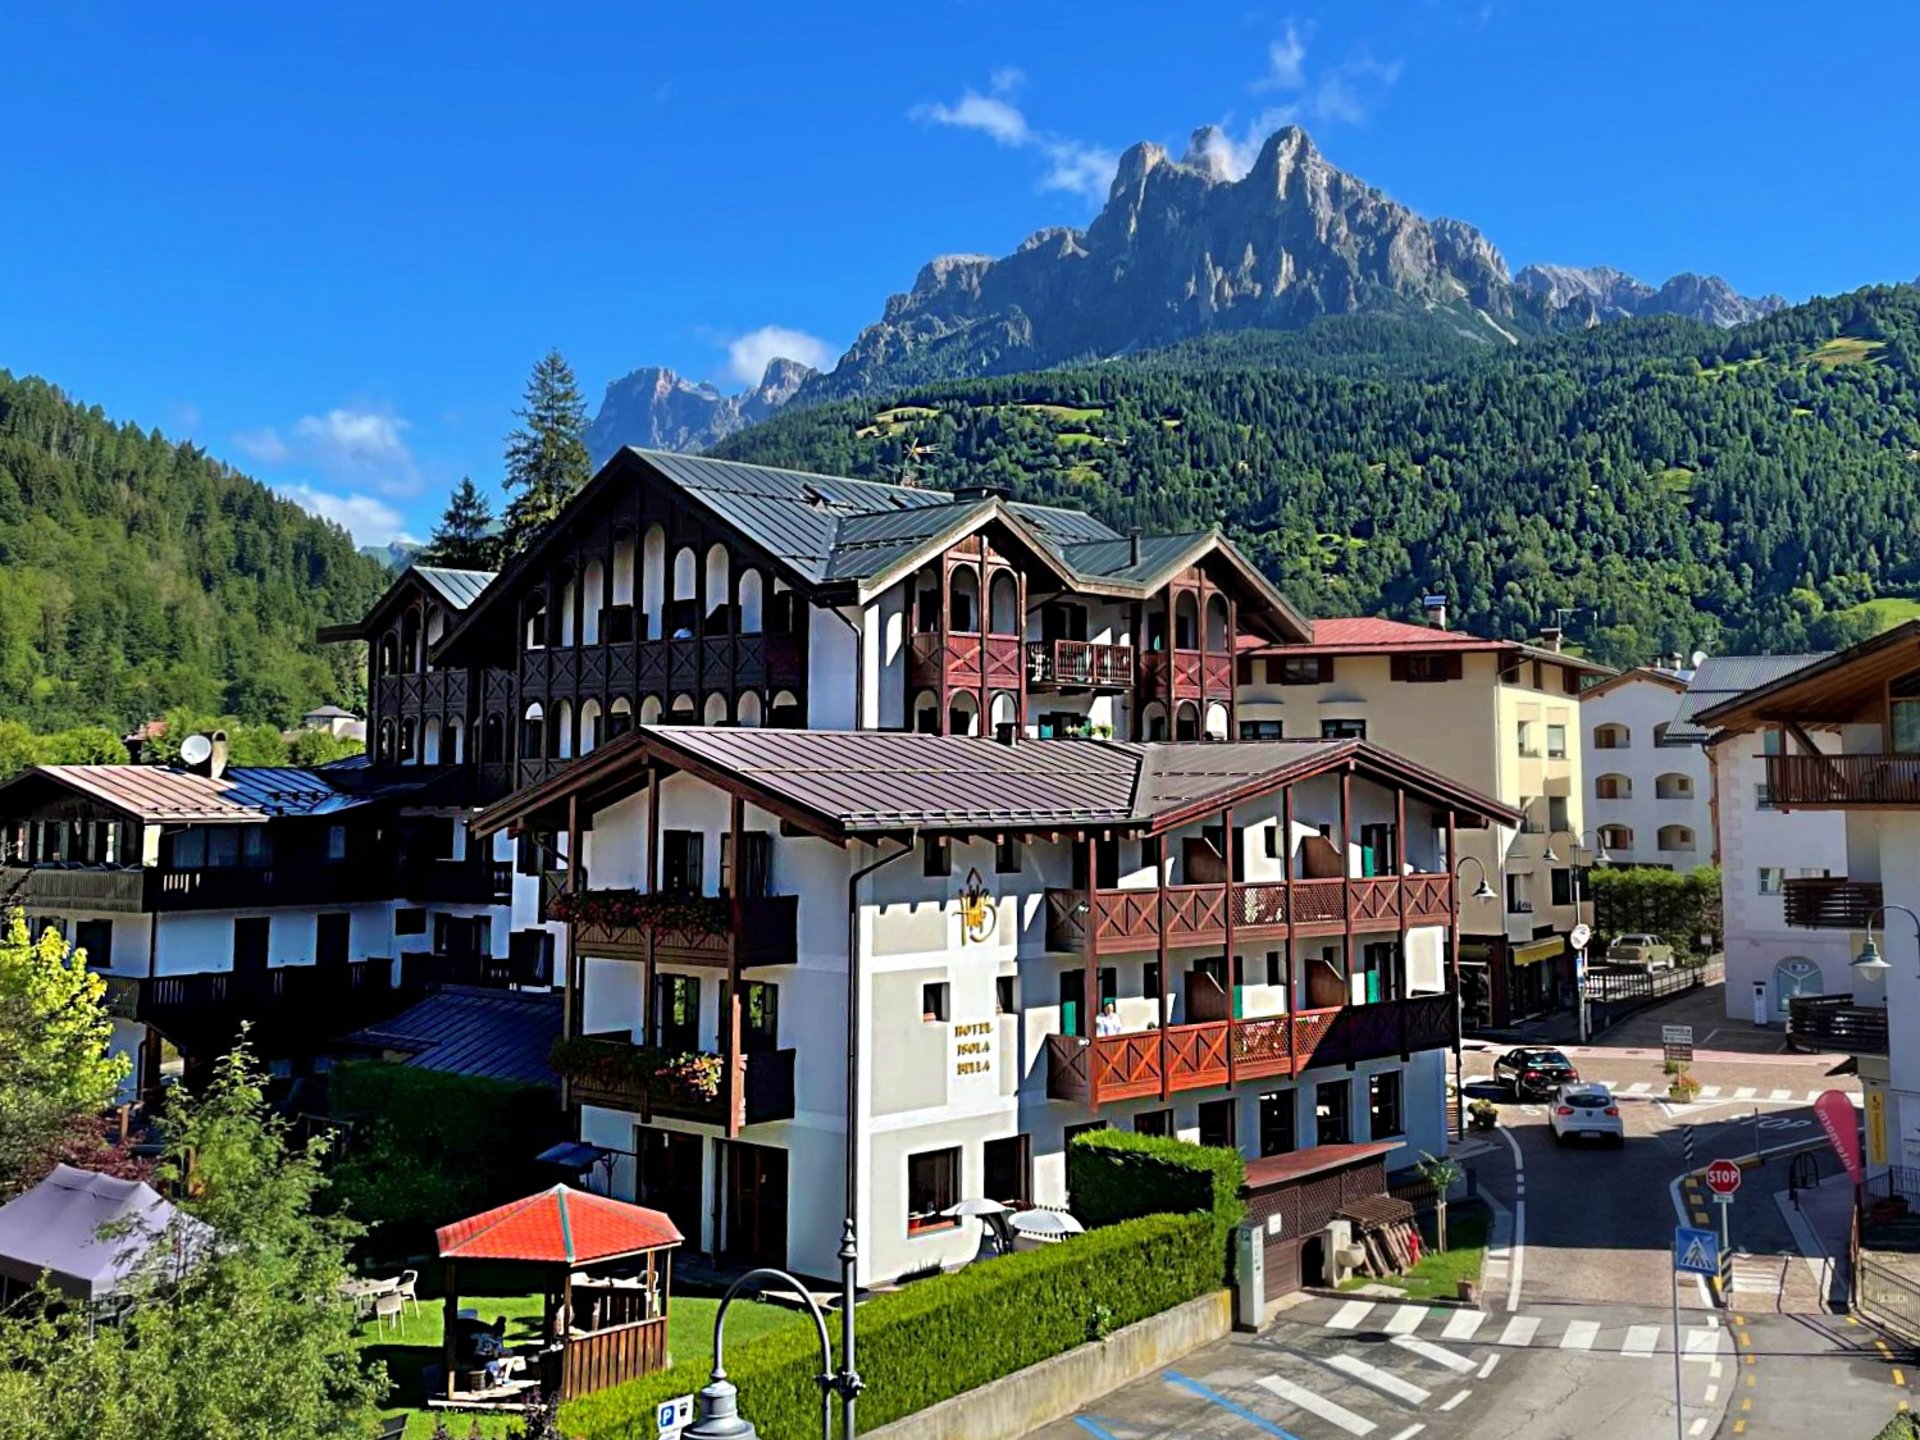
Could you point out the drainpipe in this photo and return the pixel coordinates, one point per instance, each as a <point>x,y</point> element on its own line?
<point>847,1383</point>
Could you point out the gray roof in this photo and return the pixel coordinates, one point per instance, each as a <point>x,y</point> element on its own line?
<point>1062,526</point>
<point>1720,678</point>
<point>459,588</point>
<point>868,545</point>
<point>54,1229</point>
<point>245,794</point>
<point>464,1030</point>
<point>1113,559</point>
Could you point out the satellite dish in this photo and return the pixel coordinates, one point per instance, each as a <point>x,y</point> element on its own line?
<point>1580,936</point>
<point>1699,658</point>
<point>196,750</point>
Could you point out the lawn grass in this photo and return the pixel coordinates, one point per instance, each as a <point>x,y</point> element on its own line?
<point>1847,350</point>
<point>1886,612</point>
<point>1438,1275</point>
<point>416,1344</point>
<point>1077,414</point>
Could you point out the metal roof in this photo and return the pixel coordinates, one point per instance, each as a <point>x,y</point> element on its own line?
<point>466,1030</point>
<point>243,795</point>
<point>1113,559</point>
<point>869,545</point>
<point>459,588</point>
<point>1062,526</point>
<point>1720,678</point>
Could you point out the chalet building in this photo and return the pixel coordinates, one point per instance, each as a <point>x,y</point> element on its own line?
<point>1845,745</point>
<point>1245,944</point>
<point>286,897</point>
<point>1497,715</point>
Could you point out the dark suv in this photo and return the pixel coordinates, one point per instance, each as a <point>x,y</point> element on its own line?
<point>1534,1074</point>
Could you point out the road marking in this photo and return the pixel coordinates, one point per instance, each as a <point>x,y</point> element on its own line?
<point>1899,1378</point>
<point>1745,1092</point>
<point>1492,1360</point>
<point>1438,1354</point>
<point>1259,1422</point>
<point>1739,1427</point>
<point>1641,1340</point>
<point>1639,1087</point>
<point>1781,1095</point>
<point>1699,1426</point>
<point>1349,1315</point>
<point>1409,1432</point>
<point>1519,1330</point>
<point>1519,1220</point>
<point>1449,1404</point>
<point>1703,1343</point>
<point>1405,1320</point>
<point>1700,1217</point>
<point>1462,1324</point>
<point>1716,1369</point>
<point>1100,1432</point>
<point>1713,1394</point>
<point>1384,1380</point>
<point>1709,1092</point>
<point>1579,1335</point>
<point>1302,1398</point>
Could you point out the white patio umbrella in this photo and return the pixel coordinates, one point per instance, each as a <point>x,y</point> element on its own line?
<point>1047,1224</point>
<point>980,1207</point>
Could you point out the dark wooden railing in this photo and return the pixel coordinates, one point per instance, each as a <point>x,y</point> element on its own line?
<point>1125,920</point>
<point>769,935</point>
<point>424,969</point>
<point>1833,1024</point>
<point>118,890</point>
<point>1120,1067</point>
<point>1822,781</point>
<point>160,998</point>
<point>604,1358</point>
<point>766,1085</point>
<point>1827,904</point>
<point>1079,663</point>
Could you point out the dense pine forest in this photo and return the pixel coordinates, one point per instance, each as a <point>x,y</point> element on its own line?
<point>139,576</point>
<point>1661,485</point>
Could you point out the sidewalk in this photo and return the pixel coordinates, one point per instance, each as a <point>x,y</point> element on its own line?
<point>1822,1227</point>
<point>1715,1035</point>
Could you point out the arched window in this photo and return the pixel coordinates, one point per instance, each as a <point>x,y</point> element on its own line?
<point>1153,721</point>
<point>409,740</point>
<point>749,710</point>
<point>563,730</point>
<point>683,613</point>
<point>1186,721</point>
<point>569,609</point>
<point>1660,733</point>
<point>389,654</point>
<point>682,712</point>
<point>1003,609</point>
<point>592,594</point>
<point>620,717</point>
<point>963,714</point>
<point>383,750</point>
<point>456,748</point>
<point>533,621</point>
<point>493,740</point>
<point>1613,787</point>
<point>653,579</point>
<point>719,591</point>
<point>1216,721</point>
<point>752,608</point>
<point>1676,838</point>
<point>1217,624</point>
<point>926,713</point>
<point>650,710</point>
<point>1616,837</point>
<point>716,713</point>
<point>1795,976</point>
<point>590,726</point>
<point>533,733</point>
<point>430,742</point>
<point>1186,621</point>
<point>1611,737</point>
<point>1005,711</point>
<point>623,558</point>
<point>926,602</point>
<point>436,625</point>
<point>787,713</point>
<point>963,617</point>
<point>410,641</point>
<point>1673,786</point>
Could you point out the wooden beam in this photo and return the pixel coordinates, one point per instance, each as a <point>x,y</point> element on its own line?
<point>730,1041</point>
<point>1233,955</point>
<point>1160,945</point>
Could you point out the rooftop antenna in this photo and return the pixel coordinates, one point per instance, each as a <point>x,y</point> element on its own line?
<point>914,454</point>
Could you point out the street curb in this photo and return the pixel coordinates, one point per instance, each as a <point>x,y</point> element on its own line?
<point>1437,1303</point>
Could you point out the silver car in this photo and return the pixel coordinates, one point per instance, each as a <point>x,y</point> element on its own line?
<point>1587,1112</point>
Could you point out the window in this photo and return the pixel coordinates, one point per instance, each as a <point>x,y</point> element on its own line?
<point>1562,887</point>
<point>933,1186</point>
<point>759,1017</point>
<point>1556,742</point>
<point>1673,787</point>
<point>1304,670</point>
<point>1424,669</point>
<point>1150,979</point>
<point>1261,730</point>
<point>1331,1101</point>
<point>1763,797</point>
<point>1007,1169</point>
<point>1518,902</point>
<point>1006,856</point>
<point>1277,1134</point>
<point>1612,787</point>
<point>1089,1127</point>
<point>935,997</point>
<point>1383,1105</point>
<point>336,846</point>
<point>1557,816</point>
<point>676,1013</point>
<point>332,933</point>
<point>1904,704</point>
<point>936,855</point>
<point>1529,742</point>
<point>1006,995</point>
<point>1343,729</point>
<point>96,938</point>
<point>1218,1123</point>
<point>1674,837</point>
<point>681,852</point>
<point>1154,1122</point>
<point>756,847</point>
<point>1772,743</point>
<point>1274,972</point>
<point>410,922</point>
<point>1772,879</point>
<point>1611,737</point>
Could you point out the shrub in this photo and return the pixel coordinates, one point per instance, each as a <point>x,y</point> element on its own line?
<point>1903,1426</point>
<point>1115,1175</point>
<point>943,1336</point>
<point>1678,908</point>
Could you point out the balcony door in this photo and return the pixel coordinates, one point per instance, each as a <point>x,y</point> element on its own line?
<point>331,934</point>
<point>676,1013</point>
<point>252,938</point>
<point>1063,622</point>
<point>756,1213</point>
<point>1210,994</point>
<point>669,1164</point>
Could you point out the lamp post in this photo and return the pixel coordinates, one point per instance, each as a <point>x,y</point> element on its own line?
<point>720,1417</point>
<point>1482,892</point>
<point>1600,858</point>
<point>1869,965</point>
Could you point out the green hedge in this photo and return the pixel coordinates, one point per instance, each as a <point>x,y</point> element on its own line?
<point>1903,1426</point>
<point>1679,908</point>
<point>1115,1175</point>
<point>941,1337</point>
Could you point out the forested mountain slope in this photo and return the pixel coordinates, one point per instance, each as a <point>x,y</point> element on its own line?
<point>139,576</point>
<point>1673,485</point>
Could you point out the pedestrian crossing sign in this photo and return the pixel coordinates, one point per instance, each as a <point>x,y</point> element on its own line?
<point>1696,1252</point>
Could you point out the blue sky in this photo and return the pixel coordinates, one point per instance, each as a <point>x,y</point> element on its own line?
<point>329,244</point>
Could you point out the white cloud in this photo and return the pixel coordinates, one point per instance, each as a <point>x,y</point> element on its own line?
<point>264,445</point>
<point>369,520</point>
<point>1346,93</point>
<point>363,448</point>
<point>1286,62</point>
<point>749,355</point>
<point>1077,166</point>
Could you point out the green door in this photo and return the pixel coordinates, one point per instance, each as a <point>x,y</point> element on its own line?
<point>1073,989</point>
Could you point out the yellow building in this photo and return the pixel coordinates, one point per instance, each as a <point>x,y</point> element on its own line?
<point>1495,715</point>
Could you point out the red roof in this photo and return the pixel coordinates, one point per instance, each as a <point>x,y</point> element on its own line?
<point>561,1226</point>
<point>1372,630</point>
<point>1297,1165</point>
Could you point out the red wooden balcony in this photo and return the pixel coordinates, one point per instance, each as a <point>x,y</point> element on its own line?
<point>1829,904</point>
<point>1173,676</point>
<point>1831,782</point>
<point>964,661</point>
<point>1078,665</point>
<point>1195,1057</point>
<point>1126,920</point>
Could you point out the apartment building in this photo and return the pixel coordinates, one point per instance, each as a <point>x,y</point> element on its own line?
<point>1499,716</point>
<point>1246,944</point>
<point>1649,797</point>
<point>1764,848</point>
<point>1848,750</point>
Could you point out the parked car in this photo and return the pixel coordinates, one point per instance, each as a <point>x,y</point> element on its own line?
<point>1587,1112</point>
<point>1647,950</point>
<point>1534,1073</point>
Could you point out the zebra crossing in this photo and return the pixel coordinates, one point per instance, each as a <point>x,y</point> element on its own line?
<point>1649,1090</point>
<point>1405,1324</point>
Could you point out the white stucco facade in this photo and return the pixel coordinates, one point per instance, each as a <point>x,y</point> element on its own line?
<point>1652,802</point>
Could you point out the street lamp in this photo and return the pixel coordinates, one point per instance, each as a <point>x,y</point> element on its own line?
<point>1869,965</point>
<point>1482,891</point>
<point>1581,933</point>
<point>720,1417</point>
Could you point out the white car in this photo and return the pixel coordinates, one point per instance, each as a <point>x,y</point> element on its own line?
<point>1587,1112</point>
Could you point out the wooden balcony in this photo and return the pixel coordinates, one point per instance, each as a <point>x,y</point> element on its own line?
<point>113,890</point>
<point>620,1081</point>
<point>321,999</point>
<point>136,889</point>
<point>1129,920</point>
<point>1176,675</point>
<point>1834,1025</point>
<point>1833,782</point>
<point>1078,665</point>
<point>1828,904</point>
<point>1123,1067</point>
<point>965,661</point>
<point>481,881</point>
<point>769,934</point>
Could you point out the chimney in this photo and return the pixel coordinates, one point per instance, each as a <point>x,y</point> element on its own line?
<point>1133,546</point>
<point>981,492</point>
<point>1550,638</point>
<point>1435,609</point>
<point>1007,732</point>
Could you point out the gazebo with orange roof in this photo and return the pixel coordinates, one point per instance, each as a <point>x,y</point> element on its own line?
<point>610,1327</point>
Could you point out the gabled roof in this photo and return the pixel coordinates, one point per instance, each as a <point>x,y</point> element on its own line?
<point>1376,635</point>
<point>456,589</point>
<point>561,1226</point>
<point>840,784</point>
<point>1674,680</point>
<point>244,795</point>
<point>459,588</point>
<point>467,1030</point>
<point>1722,678</point>
<point>1829,688</point>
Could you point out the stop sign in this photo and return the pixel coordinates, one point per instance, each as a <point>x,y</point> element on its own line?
<point>1723,1177</point>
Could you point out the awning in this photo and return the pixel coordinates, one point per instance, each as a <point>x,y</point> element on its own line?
<point>1539,950</point>
<point>54,1230</point>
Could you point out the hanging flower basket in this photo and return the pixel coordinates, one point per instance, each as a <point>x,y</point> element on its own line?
<point>630,909</point>
<point>613,1065</point>
<point>693,1076</point>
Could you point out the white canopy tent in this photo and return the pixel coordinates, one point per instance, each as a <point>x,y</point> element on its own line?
<point>54,1230</point>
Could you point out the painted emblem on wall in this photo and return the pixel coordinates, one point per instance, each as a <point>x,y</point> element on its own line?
<point>977,915</point>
